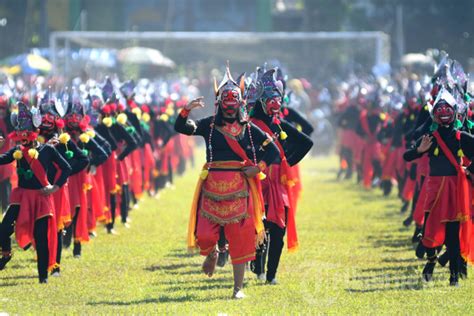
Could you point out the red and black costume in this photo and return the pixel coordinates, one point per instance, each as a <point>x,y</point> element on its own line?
<point>447,204</point>
<point>31,213</point>
<point>293,145</point>
<point>226,199</point>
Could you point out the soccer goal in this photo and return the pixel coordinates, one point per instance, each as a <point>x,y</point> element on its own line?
<point>315,56</point>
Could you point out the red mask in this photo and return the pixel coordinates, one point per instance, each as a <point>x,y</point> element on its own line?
<point>413,103</point>
<point>23,137</point>
<point>48,124</point>
<point>230,102</point>
<point>273,105</point>
<point>443,114</point>
<point>73,121</point>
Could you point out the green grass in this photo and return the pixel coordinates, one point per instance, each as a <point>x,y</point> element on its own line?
<point>355,258</point>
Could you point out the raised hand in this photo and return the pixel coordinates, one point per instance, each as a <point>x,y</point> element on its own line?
<point>425,145</point>
<point>196,103</point>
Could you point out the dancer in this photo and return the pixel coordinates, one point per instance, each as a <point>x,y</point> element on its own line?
<point>293,145</point>
<point>228,192</point>
<point>447,219</point>
<point>30,213</point>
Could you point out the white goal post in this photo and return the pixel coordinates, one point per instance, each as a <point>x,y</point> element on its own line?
<point>304,54</point>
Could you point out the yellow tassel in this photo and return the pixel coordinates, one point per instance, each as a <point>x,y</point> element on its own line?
<point>204,174</point>
<point>64,138</point>
<point>17,155</point>
<point>146,117</point>
<point>85,138</point>
<point>283,135</point>
<point>261,175</point>
<point>436,151</point>
<point>460,153</point>
<point>91,133</point>
<point>299,127</point>
<point>382,116</point>
<point>426,107</point>
<point>169,111</point>
<point>33,153</point>
<point>107,121</point>
<point>122,118</point>
<point>41,139</point>
<point>164,117</point>
<point>412,117</point>
<point>137,112</point>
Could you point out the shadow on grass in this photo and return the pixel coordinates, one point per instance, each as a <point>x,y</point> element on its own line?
<point>19,277</point>
<point>402,287</point>
<point>203,287</point>
<point>170,267</point>
<point>187,281</point>
<point>8,284</point>
<point>158,300</point>
<point>179,253</point>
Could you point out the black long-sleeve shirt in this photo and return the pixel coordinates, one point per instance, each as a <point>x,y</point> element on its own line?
<point>349,118</point>
<point>49,159</point>
<point>97,155</point>
<point>220,149</point>
<point>295,146</point>
<point>78,161</point>
<point>105,132</point>
<point>297,119</point>
<point>439,164</point>
<point>103,143</point>
<point>135,122</point>
<point>163,130</point>
<point>121,135</point>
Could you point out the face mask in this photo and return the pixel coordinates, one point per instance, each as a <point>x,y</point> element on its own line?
<point>230,102</point>
<point>47,124</point>
<point>73,121</point>
<point>444,114</point>
<point>273,105</point>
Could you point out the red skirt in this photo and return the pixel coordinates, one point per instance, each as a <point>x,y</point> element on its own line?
<point>109,168</point>
<point>441,203</point>
<point>409,187</point>
<point>34,206</point>
<point>148,166</point>
<point>136,184</point>
<point>62,207</point>
<point>419,213</point>
<point>371,151</point>
<point>275,196</point>
<point>78,186</point>
<point>123,168</point>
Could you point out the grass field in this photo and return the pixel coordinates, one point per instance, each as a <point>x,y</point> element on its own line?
<point>355,258</point>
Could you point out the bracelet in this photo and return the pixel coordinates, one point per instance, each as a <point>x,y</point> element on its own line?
<point>184,113</point>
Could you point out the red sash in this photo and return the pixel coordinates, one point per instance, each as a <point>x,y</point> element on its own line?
<point>365,125</point>
<point>288,181</point>
<point>463,203</point>
<point>239,151</point>
<point>36,167</point>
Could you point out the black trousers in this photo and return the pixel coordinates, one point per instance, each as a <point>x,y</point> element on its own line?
<point>124,203</point>
<point>113,206</point>
<point>272,248</point>
<point>5,190</point>
<point>453,244</point>
<point>40,235</point>
<point>71,229</point>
